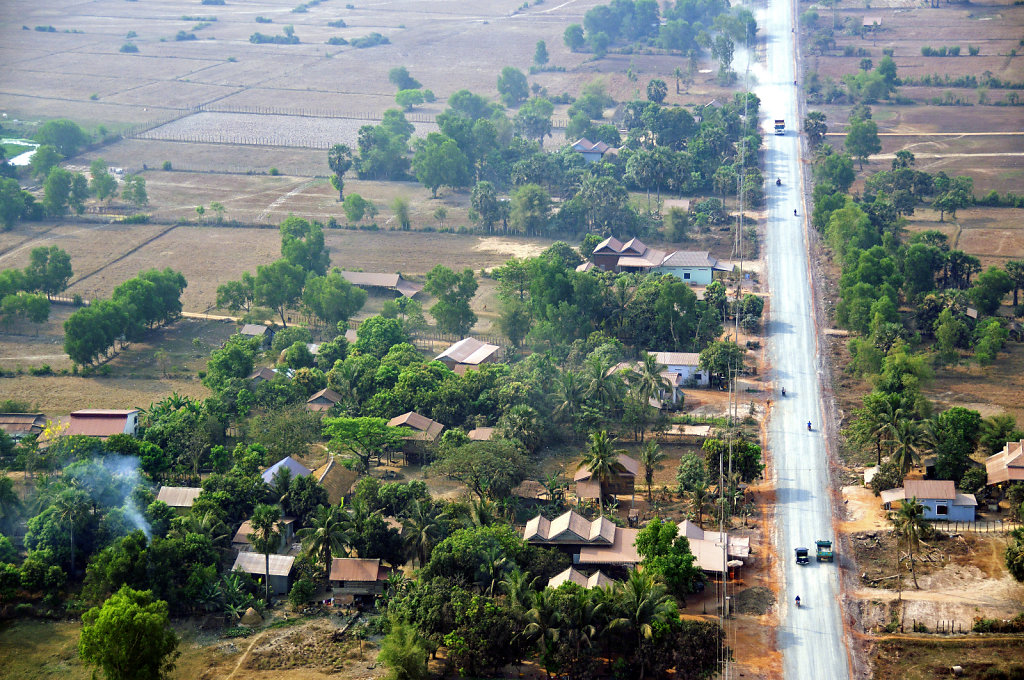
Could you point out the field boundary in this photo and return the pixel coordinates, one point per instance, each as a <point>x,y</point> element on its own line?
<point>122,256</point>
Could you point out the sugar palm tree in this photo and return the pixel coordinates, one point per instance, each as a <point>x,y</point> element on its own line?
<point>907,442</point>
<point>600,460</point>
<point>266,537</point>
<point>908,525</point>
<point>421,529</point>
<point>642,604</point>
<point>699,499</point>
<point>569,397</point>
<point>69,506</point>
<point>328,533</point>
<point>651,457</point>
<point>603,385</point>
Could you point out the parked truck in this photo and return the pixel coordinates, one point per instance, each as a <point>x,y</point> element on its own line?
<point>780,126</point>
<point>824,551</point>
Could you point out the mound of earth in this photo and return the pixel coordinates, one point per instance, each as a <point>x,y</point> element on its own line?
<point>757,600</point>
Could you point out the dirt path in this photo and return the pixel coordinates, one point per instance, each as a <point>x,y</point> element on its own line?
<point>245,655</point>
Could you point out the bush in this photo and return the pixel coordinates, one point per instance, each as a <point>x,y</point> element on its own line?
<point>138,218</point>
<point>337,23</point>
<point>264,20</point>
<point>129,48</point>
<point>167,166</point>
<point>273,172</point>
<point>337,40</point>
<point>183,35</point>
<point>212,2</point>
<point>46,29</point>
<point>302,592</point>
<point>371,40</point>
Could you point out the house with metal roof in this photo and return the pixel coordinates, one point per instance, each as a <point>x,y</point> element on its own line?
<point>621,553</point>
<point>102,423</point>
<point>468,353</point>
<point>286,526</point>
<point>324,400</point>
<point>393,282</point>
<point>1007,466</point>
<point>690,266</point>
<point>939,498</point>
<point>686,365</point>
<point>297,469</point>
<point>261,375</point>
<point>21,425</point>
<point>569,528</point>
<point>574,575</point>
<point>357,576</point>
<point>256,564</point>
<point>180,498</point>
<point>592,152</point>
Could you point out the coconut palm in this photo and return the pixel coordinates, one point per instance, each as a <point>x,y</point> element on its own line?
<point>874,423</point>
<point>207,524</point>
<point>700,497</point>
<point>266,536</point>
<point>519,587</point>
<point>907,442</point>
<point>651,457</point>
<point>544,624</point>
<point>421,530</point>
<point>651,381</point>
<point>908,525</point>
<point>492,569</point>
<point>328,533</point>
<point>603,384</point>
<point>69,506</point>
<point>279,487</point>
<point>642,604</point>
<point>600,460</point>
<point>569,397</point>
<point>555,487</point>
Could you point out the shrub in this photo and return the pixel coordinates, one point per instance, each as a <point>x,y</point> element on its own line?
<point>273,172</point>
<point>129,48</point>
<point>337,23</point>
<point>137,218</point>
<point>888,51</point>
<point>973,51</point>
<point>182,35</point>
<point>213,2</point>
<point>302,592</point>
<point>264,20</point>
<point>167,166</point>
<point>371,40</point>
<point>46,29</point>
<point>337,40</point>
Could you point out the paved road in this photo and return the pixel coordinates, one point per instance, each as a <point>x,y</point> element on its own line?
<point>811,637</point>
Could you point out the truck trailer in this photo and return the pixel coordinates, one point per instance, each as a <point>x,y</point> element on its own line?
<point>780,126</point>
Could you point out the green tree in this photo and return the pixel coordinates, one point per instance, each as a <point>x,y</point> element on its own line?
<point>57,192</point>
<point>302,244</point>
<point>278,286</point>
<point>266,537</point>
<point>49,270</point>
<point>400,207</point>
<point>438,161</point>
<point>129,637</point>
<point>1015,269</point>
<point>485,204</point>
<point>643,606</point>
<point>989,289</point>
<point>332,298</point>
<point>237,295</point>
<point>723,359</point>
<point>12,202</point>
<point>908,525</point>
<point>102,183</point>
<point>64,135</point>
<point>377,335</point>
<point>453,293</point>
<point>512,86</point>
<point>1015,554</point>
<point>356,208</point>
<point>490,469</point>
<point>666,555</point>
<point>135,190</point>
<point>400,78</point>
<point>533,120</point>
<point>43,160</point>
<point>862,139</point>
<point>339,159</point>
<point>657,90</point>
<point>651,457</point>
<point>404,653</point>
<point>362,437</point>
<point>529,210</point>
<point>692,473</point>
<point>540,54</point>
<point>573,37</point>
<point>996,430</point>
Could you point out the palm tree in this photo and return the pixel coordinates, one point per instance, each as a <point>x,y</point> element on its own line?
<point>10,504</point>
<point>69,506</point>
<point>544,623</point>
<point>579,620</point>
<point>600,460</point>
<point>519,588</point>
<point>207,524</point>
<point>603,385</point>
<point>642,604</point>
<point>908,439</point>
<point>907,524</point>
<point>327,533</point>
<point>266,536</point>
<point>492,569</point>
<point>874,422</point>
<point>421,529</point>
<point>651,457</point>
<point>478,513</point>
<point>699,499</point>
<point>555,487</point>
<point>280,485</point>
<point>569,396</point>
<point>996,431</point>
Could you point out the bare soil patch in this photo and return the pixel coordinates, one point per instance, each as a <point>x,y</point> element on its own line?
<point>921,658</point>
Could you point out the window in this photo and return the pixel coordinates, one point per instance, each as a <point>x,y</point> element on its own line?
<point>686,275</point>
<point>941,509</point>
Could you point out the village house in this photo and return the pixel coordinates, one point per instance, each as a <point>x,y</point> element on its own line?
<point>102,423</point>
<point>621,553</point>
<point>180,498</point>
<point>688,266</point>
<point>569,529</point>
<point>286,526</point>
<point>623,480</point>
<point>336,479</point>
<point>256,564</point>
<point>706,547</point>
<point>357,576</point>
<point>423,432</point>
<point>612,254</point>
<point>393,282</point>
<point>938,498</point>
<point>262,375</point>
<point>592,152</point>
<point>295,467</point>
<point>257,330</point>
<point>481,434</point>
<point>324,400</point>
<point>21,425</point>
<point>468,353</point>
<point>1007,466</point>
<point>595,580</point>
<point>686,365</point>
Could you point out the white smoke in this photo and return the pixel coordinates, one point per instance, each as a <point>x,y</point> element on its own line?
<point>126,470</point>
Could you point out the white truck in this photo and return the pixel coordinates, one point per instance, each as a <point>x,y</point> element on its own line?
<point>780,126</point>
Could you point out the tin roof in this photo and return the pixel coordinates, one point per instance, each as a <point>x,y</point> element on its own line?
<point>356,569</point>
<point>569,527</point>
<point>178,496</point>
<point>468,351</point>
<point>624,465</point>
<point>1007,465</point>
<point>677,358</point>
<point>621,551</point>
<point>941,489</point>
<point>297,469</point>
<point>690,258</point>
<point>595,580</point>
<point>423,427</point>
<point>255,563</point>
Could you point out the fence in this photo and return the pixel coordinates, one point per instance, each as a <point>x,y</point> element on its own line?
<point>984,527</point>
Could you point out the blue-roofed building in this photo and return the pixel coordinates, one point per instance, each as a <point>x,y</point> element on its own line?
<point>297,469</point>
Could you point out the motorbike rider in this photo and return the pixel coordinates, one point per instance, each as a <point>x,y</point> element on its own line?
<point>783,391</point>
<point>808,426</point>
<point>778,181</point>
<point>797,600</point>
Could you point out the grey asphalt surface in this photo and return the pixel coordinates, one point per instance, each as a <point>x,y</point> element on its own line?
<point>811,637</point>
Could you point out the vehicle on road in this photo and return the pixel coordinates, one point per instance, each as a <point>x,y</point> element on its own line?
<point>780,126</point>
<point>798,601</point>
<point>803,556</point>
<point>825,553</point>
<point>808,426</point>
<point>778,181</point>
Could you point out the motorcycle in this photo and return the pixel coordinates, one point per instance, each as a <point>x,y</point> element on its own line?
<point>783,391</point>
<point>794,212</point>
<point>797,601</point>
<point>808,426</point>
<point>778,182</point>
